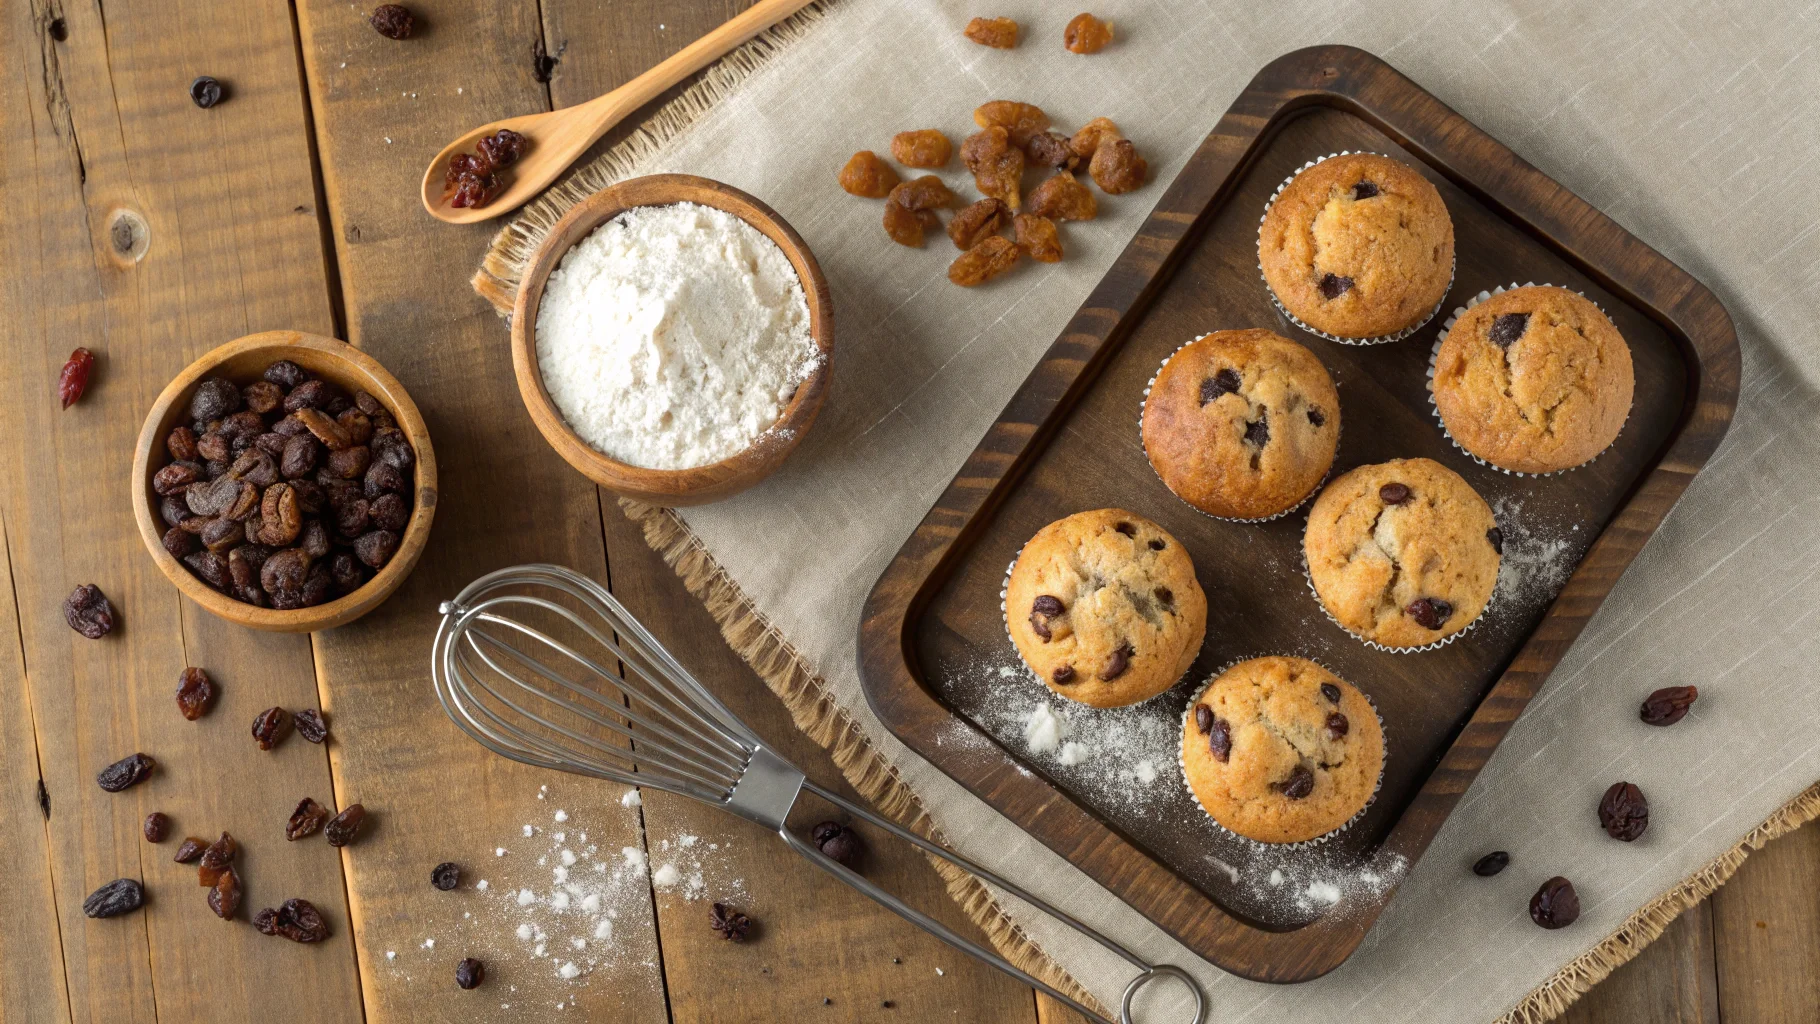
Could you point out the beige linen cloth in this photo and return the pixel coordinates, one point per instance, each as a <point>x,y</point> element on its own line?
<point>1693,125</point>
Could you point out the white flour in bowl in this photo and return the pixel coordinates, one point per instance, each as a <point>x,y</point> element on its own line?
<point>673,336</point>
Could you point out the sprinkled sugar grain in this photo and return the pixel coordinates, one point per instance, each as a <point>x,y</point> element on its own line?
<point>673,336</point>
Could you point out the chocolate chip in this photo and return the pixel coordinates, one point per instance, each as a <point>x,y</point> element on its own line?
<point>1299,784</point>
<point>1203,718</point>
<point>1337,725</point>
<point>1393,494</point>
<point>1331,692</point>
<point>1364,190</point>
<point>1219,741</point>
<point>1430,612</point>
<point>205,92</point>
<point>1117,662</point>
<point>1224,382</point>
<point>1040,626</point>
<point>1333,286</point>
<point>1127,529</point>
<point>1555,905</point>
<point>1046,604</point>
<point>1506,328</point>
<point>1165,597</point>
<point>1157,545</point>
<point>1063,675</point>
<point>1316,417</point>
<point>1491,864</point>
<point>1496,536</point>
<point>1258,433</point>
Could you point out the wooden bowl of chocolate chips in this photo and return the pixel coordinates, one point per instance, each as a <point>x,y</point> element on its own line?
<point>285,482</point>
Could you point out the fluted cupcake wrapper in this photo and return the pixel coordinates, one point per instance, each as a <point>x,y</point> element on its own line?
<point>1434,357</point>
<point>1258,844</point>
<point>1382,339</point>
<point>1144,402</point>
<point>1490,602</point>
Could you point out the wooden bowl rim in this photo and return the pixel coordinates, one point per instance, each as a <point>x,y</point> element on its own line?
<point>343,609</point>
<point>696,484</point>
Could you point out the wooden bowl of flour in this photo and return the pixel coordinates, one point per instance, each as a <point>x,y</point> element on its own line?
<point>701,484</point>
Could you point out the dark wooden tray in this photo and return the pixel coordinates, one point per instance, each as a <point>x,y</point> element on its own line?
<point>933,655</point>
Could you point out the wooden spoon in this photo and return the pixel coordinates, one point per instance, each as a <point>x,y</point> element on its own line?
<point>557,137</point>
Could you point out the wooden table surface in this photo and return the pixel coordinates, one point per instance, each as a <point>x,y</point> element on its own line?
<point>149,231</point>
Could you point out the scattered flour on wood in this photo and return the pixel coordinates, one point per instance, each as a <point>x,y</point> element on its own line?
<point>1538,556</point>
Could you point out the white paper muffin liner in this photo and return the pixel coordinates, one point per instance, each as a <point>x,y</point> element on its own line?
<point>1382,339</point>
<point>1144,401</point>
<point>1259,844</point>
<point>1308,578</point>
<point>1434,356</point>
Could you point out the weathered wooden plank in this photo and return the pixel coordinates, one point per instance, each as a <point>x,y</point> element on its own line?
<point>1670,982</point>
<point>1766,928</point>
<point>382,108</point>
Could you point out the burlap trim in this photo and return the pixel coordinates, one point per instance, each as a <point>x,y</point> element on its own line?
<point>805,694</point>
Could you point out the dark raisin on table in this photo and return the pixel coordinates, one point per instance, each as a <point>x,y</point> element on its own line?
<point>839,842</point>
<point>271,726</point>
<point>1624,812</point>
<point>216,859</point>
<point>306,820</point>
<point>393,21</point>
<point>1668,705</point>
<point>120,896</point>
<point>1555,904</point>
<point>195,693</point>
<point>310,725</point>
<point>157,827</point>
<point>73,380</point>
<point>190,850</point>
<point>469,973</point>
<point>205,92</point>
<point>543,63</point>
<point>729,923</point>
<point>88,612</point>
<point>128,771</point>
<point>224,897</point>
<point>1491,864</point>
<point>445,876</point>
<point>296,920</point>
<point>341,829</point>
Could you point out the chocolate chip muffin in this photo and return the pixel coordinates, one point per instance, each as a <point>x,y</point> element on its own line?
<point>1280,750</point>
<point>1104,607</point>
<point>1535,380</point>
<point>1242,424</point>
<point>1358,246</point>
<point>1403,553</point>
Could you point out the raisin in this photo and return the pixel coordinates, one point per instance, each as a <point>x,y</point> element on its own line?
<point>178,543</point>
<point>1086,142</point>
<point>1063,675</point>
<point>1393,494</point>
<point>347,572</point>
<point>284,570</point>
<point>310,725</point>
<point>297,920</point>
<point>1506,328</point>
<point>868,176</point>
<point>384,476</point>
<point>1086,34</point>
<point>224,897</point>
<point>1063,197</point>
<point>1117,662</point>
<point>358,426</point>
<point>998,33</point>
<point>1116,167</point>
<point>181,443</point>
<point>502,148</point>
<point>376,547</point>
<point>306,820</point>
<point>1044,608</point>
<point>88,612</point>
<point>472,190</point>
<point>367,404</point>
<point>223,535</point>
<point>120,896</point>
<point>205,92</point>
<point>1037,237</point>
<point>1257,432</point>
<point>1021,121</point>
<point>212,498</point>
<point>975,222</point>
<point>156,828</point>
<point>469,973</point>
<point>270,727</point>
<point>1555,904</point>
<point>214,399</point>
<point>445,876</point>
<point>924,193</point>
<point>350,463</point>
<point>195,693</point>
<point>1203,718</point>
<point>1299,784</point>
<point>1491,864</point>
<point>341,828</point>
<point>994,255</point>
<point>1225,382</point>
<point>839,842</point>
<point>190,850</point>
<point>1365,190</point>
<point>1337,725</point>
<point>997,166</point>
<point>1668,705</point>
<point>176,478</point>
<point>126,772</point>
<point>1051,149</point>
<point>216,859</point>
<point>324,427</point>
<point>256,468</point>
<point>392,448</point>
<point>729,923</point>
<point>300,454</point>
<point>210,568</point>
<point>1333,286</point>
<point>1624,812</point>
<point>1331,692</point>
<point>285,374</point>
<point>353,517</point>
<point>1430,612</point>
<point>213,446</point>
<point>280,517</point>
<point>72,381</point>
<point>311,394</point>
<point>1219,740</point>
<point>393,21</point>
<point>924,147</point>
<point>262,396</point>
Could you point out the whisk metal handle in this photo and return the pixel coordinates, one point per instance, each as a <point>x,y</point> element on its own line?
<point>1150,972</point>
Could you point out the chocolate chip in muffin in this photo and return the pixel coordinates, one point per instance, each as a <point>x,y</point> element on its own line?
<point>1127,529</point>
<point>1165,597</point>
<point>1157,545</point>
<point>1203,718</point>
<point>1316,417</point>
<point>1224,382</point>
<point>1430,612</point>
<point>1337,725</point>
<point>1299,784</point>
<point>1496,537</point>
<point>1331,692</point>
<point>1063,675</point>
<point>1219,740</point>
<point>1393,494</point>
<point>1333,286</point>
<point>1506,328</point>
<point>1044,608</point>
<point>1365,190</point>
<point>1117,662</point>
<point>1258,431</point>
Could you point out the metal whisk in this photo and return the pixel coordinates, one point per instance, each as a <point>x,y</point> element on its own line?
<point>608,701</point>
